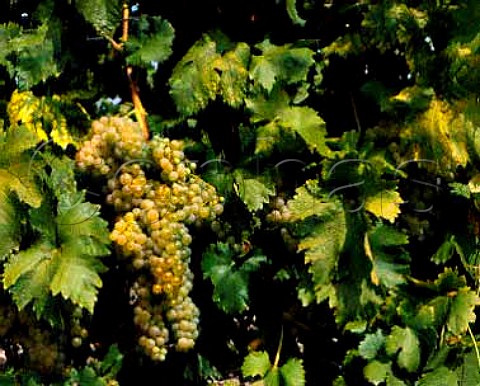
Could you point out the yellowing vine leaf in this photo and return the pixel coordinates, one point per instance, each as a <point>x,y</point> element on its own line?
<point>19,178</point>
<point>39,116</point>
<point>440,134</point>
<point>234,74</point>
<point>322,249</point>
<point>195,81</point>
<point>304,204</point>
<point>25,109</point>
<point>384,204</point>
<point>461,307</point>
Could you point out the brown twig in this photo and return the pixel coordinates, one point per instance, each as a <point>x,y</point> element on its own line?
<point>140,112</point>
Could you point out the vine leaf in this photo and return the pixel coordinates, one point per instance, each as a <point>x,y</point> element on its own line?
<point>307,124</point>
<point>280,63</point>
<point>445,252</point>
<point>65,257</point>
<point>444,132</point>
<point>383,246</point>
<point>18,179</point>
<point>376,372</point>
<point>322,233</point>
<point>469,372</point>
<point>304,204</point>
<point>461,308</point>
<point>9,226</point>
<point>371,345</point>
<point>406,342</point>
<point>293,373</point>
<point>253,192</point>
<point>153,44</point>
<point>103,15</point>
<point>195,81</point>
<point>257,363</point>
<point>384,204</point>
<point>76,272</point>
<point>279,117</point>
<point>27,56</point>
<point>230,280</point>
<point>441,376</point>
<point>234,74</point>
<point>272,378</point>
<point>34,114</point>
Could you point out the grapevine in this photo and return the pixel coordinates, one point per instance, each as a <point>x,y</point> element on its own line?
<point>156,195</point>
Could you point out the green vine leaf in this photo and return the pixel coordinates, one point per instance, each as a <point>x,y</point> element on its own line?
<point>9,225</point>
<point>371,345</point>
<point>383,246</point>
<point>461,309</point>
<point>307,124</point>
<point>469,372</point>
<point>406,343</point>
<point>65,258</point>
<point>28,56</point>
<point>153,44</point>
<point>322,239</point>
<point>272,378</point>
<point>257,363</point>
<point>376,372</point>
<point>441,376</point>
<point>230,280</point>
<point>19,178</point>
<point>103,15</point>
<point>280,63</point>
<point>253,192</point>
<point>77,269</point>
<point>293,373</point>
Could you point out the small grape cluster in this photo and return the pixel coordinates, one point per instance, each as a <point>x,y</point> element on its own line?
<point>77,331</point>
<point>42,352</point>
<point>151,228</point>
<point>279,211</point>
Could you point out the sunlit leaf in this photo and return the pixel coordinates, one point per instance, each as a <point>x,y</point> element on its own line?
<point>385,204</point>
<point>293,373</point>
<point>257,363</point>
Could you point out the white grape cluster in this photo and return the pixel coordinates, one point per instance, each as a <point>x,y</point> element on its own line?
<point>156,194</point>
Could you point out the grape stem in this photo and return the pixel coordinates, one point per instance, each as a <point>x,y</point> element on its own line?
<point>279,349</point>
<point>140,112</point>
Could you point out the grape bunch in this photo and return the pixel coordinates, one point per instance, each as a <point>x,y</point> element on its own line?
<point>156,195</point>
<point>279,211</point>
<point>77,331</point>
